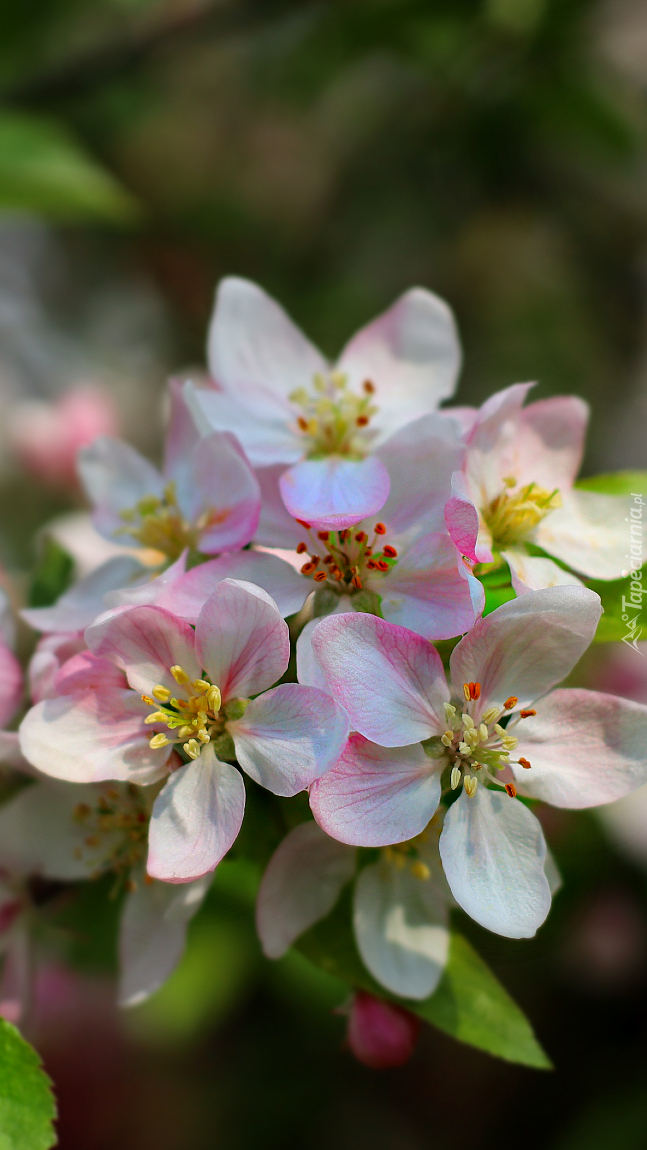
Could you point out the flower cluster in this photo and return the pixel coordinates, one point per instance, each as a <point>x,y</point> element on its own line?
<point>423,726</point>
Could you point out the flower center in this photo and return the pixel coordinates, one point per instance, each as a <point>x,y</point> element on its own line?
<point>478,750</point>
<point>195,717</point>
<point>117,828</point>
<point>351,557</point>
<point>159,524</point>
<point>332,419</point>
<point>405,856</point>
<point>512,515</point>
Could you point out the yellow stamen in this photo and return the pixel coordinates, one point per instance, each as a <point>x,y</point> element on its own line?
<point>162,694</point>
<point>455,778</point>
<point>180,675</point>
<point>470,784</point>
<point>420,870</point>
<point>158,741</point>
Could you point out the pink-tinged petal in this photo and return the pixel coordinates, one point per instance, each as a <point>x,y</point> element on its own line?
<point>11,684</point>
<point>78,607</point>
<point>411,354</point>
<point>241,640</point>
<point>309,673</point>
<point>374,796</point>
<point>551,440</point>
<point>7,620</point>
<point>187,595</point>
<point>526,646</point>
<point>220,493</point>
<point>586,748</point>
<point>48,658</point>
<point>334,493</point>
<point>589,532</point>
<point>85,672</point>
<point>256,353</point>
<point>152,591</point>
<point>626,823</point>
<point>420,459</point>
<point>266,441</point>
<point>464,417</point>
<point>429,590</point>
<point>145,642</point>
<point>501,408</point>
<point>91,737</point>
<point>381,1034</point>
<point>196,819</point>
<point>152,934</point>
<point>492,443</point>
<point>532,573</point>
<point>182,436</point>
<point>400,924</point>
<point>301,885</point>
<point>462,522</point>
<point>389,680</point>
<point>276,527</point>
<point>115,478</point>
<point>493,853</point>
<point>288,737</point>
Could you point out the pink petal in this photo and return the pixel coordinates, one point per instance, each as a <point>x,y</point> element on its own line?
<point>589,532</point>
<point>152,591</point>
<point>430,590</point>
<point>115,478</point>
<point>526,646</point>
<point>84,671</point>
<point>301,885</point>
<point>221,488</point>
<point>196,819</point>
<point>256,353</point>
<point>187,595</point>
<point>420,459</point>
<point>333,493</point>
<point>585,747</point>
<point>265,440</point>
<point>85,738</point>
<point>145,642</point>
<point>462,522</point>
<point>374,796</point>
<point>78,607</point>
<point>241,640</point>
<point>493,854</point>
<point>276,527</point>
<point>11,684</point>
<point>410,353</point>
<point>389,680</point>
<point>551,440</point>
<point>288,737</point>
<point>182,435</point>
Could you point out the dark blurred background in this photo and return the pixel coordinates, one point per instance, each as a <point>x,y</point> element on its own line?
<point>494,151</point>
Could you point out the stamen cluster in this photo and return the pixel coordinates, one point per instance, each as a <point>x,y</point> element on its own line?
<point>350,557</point>
<point>196,719</point>
<point>333,420</point>
<point>511,515</point>
<point>125,812</point>
<point>479,747</point>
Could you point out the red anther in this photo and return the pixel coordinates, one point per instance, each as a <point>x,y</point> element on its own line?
<point>511,790</point>
<point>371,565</point>
<point>527,714</point>
<point>344,535</point>
<point>525,764</point>
<point>380,529</point>
<point>475,690</point>
<point>323,535</point>
<point>303,423</point>
<point>308,568</point>
<point>316,560</point>
<point>368,551</point>
<point>337,575</point>
<point>510,703</point>
<point>302,548</point>
<point>320,577</point>
<point>303,524</point>
<point>360,537</point>
<point>328,559</point>
<point>381,564</point>
<point>369,387</point>
<point>357,582</point>
<point>389,551</point>
<point>362,420</point>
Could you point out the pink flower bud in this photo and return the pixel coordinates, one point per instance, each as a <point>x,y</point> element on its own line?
<point>47,436</point>
<point>381,1034</point>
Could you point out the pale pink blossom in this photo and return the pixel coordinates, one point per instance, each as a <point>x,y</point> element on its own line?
<point>48,436</point>
<point>495,731</point>
<point>289,406</point>
<point>517,488</point>
<point>400,904</point>
<point>150,689</point>
<point>206,497</point>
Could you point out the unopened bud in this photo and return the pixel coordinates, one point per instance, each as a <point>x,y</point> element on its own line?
<point>381,1034</point>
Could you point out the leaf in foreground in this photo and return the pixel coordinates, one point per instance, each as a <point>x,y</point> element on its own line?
<point>27,1107</point>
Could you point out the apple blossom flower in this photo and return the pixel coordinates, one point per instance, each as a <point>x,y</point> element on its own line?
<point>381,1034</point>
<point>516,488</point>
<point>206,497</point>
<point>574,748</point>
<point>288,406</point>
<point>153,698</point>
<point>400,904</point>
<point>66,832</point>
<point>48,436</point>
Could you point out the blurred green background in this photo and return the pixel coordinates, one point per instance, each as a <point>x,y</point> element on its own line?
<point>494,151</point>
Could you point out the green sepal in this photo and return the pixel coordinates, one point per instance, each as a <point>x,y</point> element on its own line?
<point>51,576</point>
<point>469,1004</point>
<point>27,1107</point>
<point>368,602</point>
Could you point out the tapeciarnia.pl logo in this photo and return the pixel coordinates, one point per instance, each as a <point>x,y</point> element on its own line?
<point>632,601</point>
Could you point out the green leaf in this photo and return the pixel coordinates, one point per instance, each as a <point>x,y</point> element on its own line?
<point>616,483</point>
<point>27,1107</point>
<point>615,623</point>
<point>52,575</point>
<point>498,588</point>
<point>45,171</point>
<point>469,1004</point>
